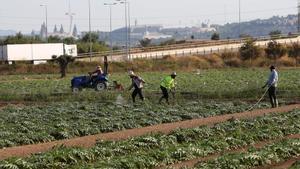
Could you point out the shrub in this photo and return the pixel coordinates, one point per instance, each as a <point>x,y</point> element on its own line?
<point>231,59</point>
<point>215,36</point>
<point>275,50</point>
<point>249,50</point>
<point>294,52</point>
<point>214,60</point>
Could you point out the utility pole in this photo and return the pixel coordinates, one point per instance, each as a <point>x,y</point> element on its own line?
<point>129,32</point>
<point>298,16</point>
<point>110,26</point>
<point>239,18</point>
<point>125,2</point>
<point>90,31</point>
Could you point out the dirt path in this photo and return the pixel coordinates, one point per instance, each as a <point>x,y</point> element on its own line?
<point>283,165</point>
<point>89,141</point>
<point>193,162</point>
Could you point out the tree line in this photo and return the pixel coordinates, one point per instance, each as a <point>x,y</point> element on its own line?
<point>83,43</point>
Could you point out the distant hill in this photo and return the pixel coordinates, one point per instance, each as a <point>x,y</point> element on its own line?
<point>259,27</point>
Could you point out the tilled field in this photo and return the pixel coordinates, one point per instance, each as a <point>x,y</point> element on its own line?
<point>279,132</point>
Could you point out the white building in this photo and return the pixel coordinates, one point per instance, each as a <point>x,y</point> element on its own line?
<point>37,53</point>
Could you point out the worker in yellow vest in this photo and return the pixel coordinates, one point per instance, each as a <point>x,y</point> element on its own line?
<point>167,84</point>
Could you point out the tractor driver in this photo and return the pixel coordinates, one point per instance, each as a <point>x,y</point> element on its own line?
<point>96,73</point>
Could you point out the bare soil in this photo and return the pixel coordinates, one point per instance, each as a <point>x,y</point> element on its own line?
<point>89,141</point>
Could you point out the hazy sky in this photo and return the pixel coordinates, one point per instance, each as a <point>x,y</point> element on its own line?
<point>25,15</point>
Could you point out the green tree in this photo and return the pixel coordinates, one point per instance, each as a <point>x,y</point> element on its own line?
<point>275,34</point>
<point>54,39</point>
<point>96,47</point>
<point>94,37</point>
<point>19,38</point>
<point>294,52</point>
<point>275,50</point>
<point>145,42</point>
<point>215,36</point>
<point>69,40</point>
<point>249,50</point>
<point>63,62</point>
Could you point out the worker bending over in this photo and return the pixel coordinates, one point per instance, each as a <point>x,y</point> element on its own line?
<point>166,85</point>
<point>137,83</point>
<point>272,85</point>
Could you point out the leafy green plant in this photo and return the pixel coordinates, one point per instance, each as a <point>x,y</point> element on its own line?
<point>158,149</point>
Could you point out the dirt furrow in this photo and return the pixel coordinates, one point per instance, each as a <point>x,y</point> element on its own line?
<point>193,162</point>
<point>89,141</point>
<point>283,165</point>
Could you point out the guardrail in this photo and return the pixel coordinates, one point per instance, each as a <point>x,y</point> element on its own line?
<point>186,45</point>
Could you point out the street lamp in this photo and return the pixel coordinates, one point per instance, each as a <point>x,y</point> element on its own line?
<point>70,14</point>
<point>46,13</point>
<point>110,25</point>
<point>239,18</point>
<point>127,19</point>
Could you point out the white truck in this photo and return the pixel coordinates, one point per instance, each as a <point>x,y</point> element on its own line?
<point>37,53</point>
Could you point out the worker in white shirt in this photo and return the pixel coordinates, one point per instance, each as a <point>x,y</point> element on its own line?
<point>272,85</point>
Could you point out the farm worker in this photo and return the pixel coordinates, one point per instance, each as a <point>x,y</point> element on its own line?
<point>96,73</point>
<point>167,84</point>
<point>272,85</point>
<point>137,83</point>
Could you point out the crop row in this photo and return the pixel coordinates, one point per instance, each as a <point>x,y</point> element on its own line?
<point>267,155</point>
<point>43,123</point>
<point>184,144</point>
<point>296,165</point>
<point>227,83</point>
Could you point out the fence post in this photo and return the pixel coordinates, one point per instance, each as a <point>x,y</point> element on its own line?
<point>204,51</point>
<point>182,53</point>
<point>211,51</point>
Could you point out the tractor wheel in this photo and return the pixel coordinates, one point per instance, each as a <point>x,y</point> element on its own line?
<point>100,86</point>
<point>75,89</point>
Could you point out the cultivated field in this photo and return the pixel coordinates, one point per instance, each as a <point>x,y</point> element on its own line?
<point>37,110</point>
<point>214,84</point>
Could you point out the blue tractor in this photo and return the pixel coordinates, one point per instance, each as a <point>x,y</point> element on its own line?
<point>99,83</point>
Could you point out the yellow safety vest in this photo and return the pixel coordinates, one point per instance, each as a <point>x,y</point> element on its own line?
<point>168,82</point>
